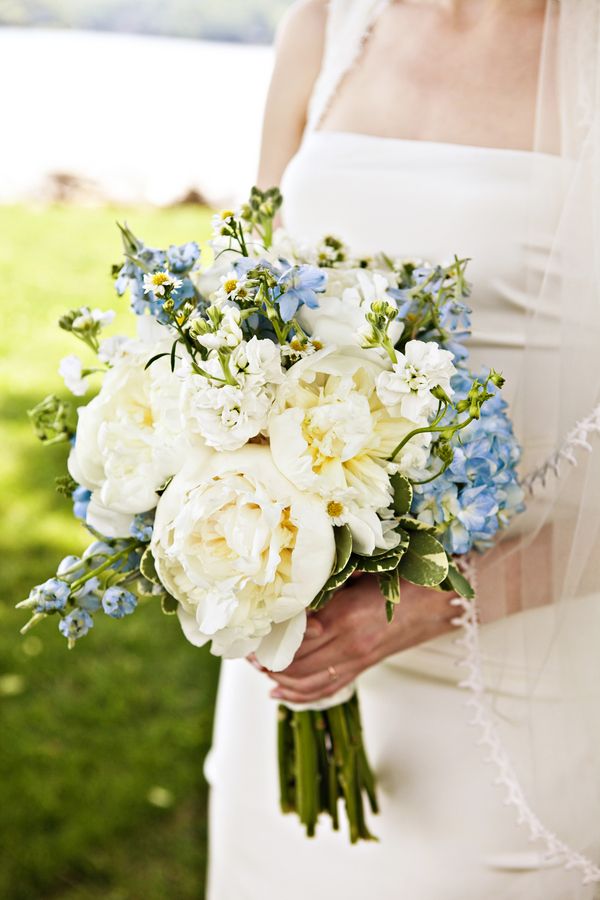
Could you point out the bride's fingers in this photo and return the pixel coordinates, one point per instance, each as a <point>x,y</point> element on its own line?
<point>317,687</point>
<point>315,679</point>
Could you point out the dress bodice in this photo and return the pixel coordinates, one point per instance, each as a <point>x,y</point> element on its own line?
<point>429,201</point>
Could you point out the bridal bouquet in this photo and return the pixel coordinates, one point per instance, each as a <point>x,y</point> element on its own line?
<point>283,418</point>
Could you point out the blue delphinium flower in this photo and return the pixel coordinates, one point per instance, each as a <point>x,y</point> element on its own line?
<point>89,601</point>
<point>479,492</point>
<point>142,525</point>
<point>50,596</point>
<point>76,624</point>
<point>299,285</point>
<point>118,602</point>
<point>70,568</point>
<point>98,552</point>
<point>81,500</point>
<point>182,259</point>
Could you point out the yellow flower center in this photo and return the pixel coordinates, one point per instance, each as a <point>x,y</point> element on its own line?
<point>230,285</point>
<point>226,214</point>
<point>334,508</point>
<point>160,278</point>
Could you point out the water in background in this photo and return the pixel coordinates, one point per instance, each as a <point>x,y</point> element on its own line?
<point>144,118</point>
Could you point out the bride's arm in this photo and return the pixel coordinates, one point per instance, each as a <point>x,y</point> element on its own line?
<point>298,53</point>
<point>351,633</point>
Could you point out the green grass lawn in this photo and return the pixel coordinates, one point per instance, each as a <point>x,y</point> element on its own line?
<point>101,748</point>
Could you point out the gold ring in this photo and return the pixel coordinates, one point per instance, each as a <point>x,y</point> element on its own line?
<point>332,673</point>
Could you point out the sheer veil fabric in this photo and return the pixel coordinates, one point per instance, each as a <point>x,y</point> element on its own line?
<point>543,579</point>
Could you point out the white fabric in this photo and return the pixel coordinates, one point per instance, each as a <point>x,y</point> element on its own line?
<point>445,832</point>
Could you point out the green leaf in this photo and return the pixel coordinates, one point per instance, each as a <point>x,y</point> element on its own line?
<point>168,604</point>
<point>338,578</point>
<point>380,563</point>
<point>459,583</point>
<point>412,524</point>
<point>153,359</point>
<point>425,562</point>
<point>343,547</point>
<point>403,494</point>
<point>389,584</point>
<point>334,582</point>
<point>147,567</point>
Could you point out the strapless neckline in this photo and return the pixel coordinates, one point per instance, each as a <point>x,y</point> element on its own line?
<point>426,146</point>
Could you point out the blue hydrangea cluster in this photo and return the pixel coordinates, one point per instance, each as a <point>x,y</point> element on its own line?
<point>479,493</point>
<point>178,261</point>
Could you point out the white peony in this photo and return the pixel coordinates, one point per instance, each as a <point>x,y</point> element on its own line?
<point>226,416</point>
<point>406,390</point>
<point>330,434</point>
<point>340,316</point>
<point>71,370</point>
<point>244,552</point>
<point>128,438</point>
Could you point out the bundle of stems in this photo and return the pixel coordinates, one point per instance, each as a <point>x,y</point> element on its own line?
<point>322,759</point>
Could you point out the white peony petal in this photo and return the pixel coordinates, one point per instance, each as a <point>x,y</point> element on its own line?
<point>277,650</point>
<point>190,628</point>
<point>107,521</point>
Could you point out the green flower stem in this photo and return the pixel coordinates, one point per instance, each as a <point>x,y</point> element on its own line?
<point>75,585</point>
<point>436,475</point>
<point>224,360</point>
<point>322,759</point>
<point>367,777</point>
<point>285,752</point>
<point>329,782</point>
<point>431,429</point>
<point>307,779</point>
<point>345,759</point>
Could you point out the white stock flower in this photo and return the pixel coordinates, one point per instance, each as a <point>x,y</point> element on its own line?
<point>330,433</point>
<point>228,333</point>
<point>111,349</point>
<point>88,318</point>
<point>70,369</point>
<point>406,390</point>
<point>340,316</point>
<point>244,552</point>
<point>226,416</point>
<point>128,438</point>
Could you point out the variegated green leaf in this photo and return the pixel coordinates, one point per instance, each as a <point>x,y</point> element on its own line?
<point>456,581</point>
<point>147,567</point>
<point>412,524</point>
<point>334,582</point>
<point>389,583</point>
<point>425,561</point>
<point>343,547</point>
<point>168,604</point>
<point>403,494</point>
<point>380,563</point>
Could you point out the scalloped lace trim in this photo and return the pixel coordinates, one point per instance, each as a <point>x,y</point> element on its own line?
<point>577,439</point>
<point>556,850</point>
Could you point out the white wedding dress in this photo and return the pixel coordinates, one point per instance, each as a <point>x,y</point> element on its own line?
<point>444,831</point>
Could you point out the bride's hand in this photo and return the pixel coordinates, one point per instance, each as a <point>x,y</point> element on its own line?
<point>352,633</point>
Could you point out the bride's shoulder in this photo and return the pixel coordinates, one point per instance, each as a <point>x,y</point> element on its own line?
<point>303,25</point>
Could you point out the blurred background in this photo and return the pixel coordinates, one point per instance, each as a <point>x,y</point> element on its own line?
<point>148,112</point>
